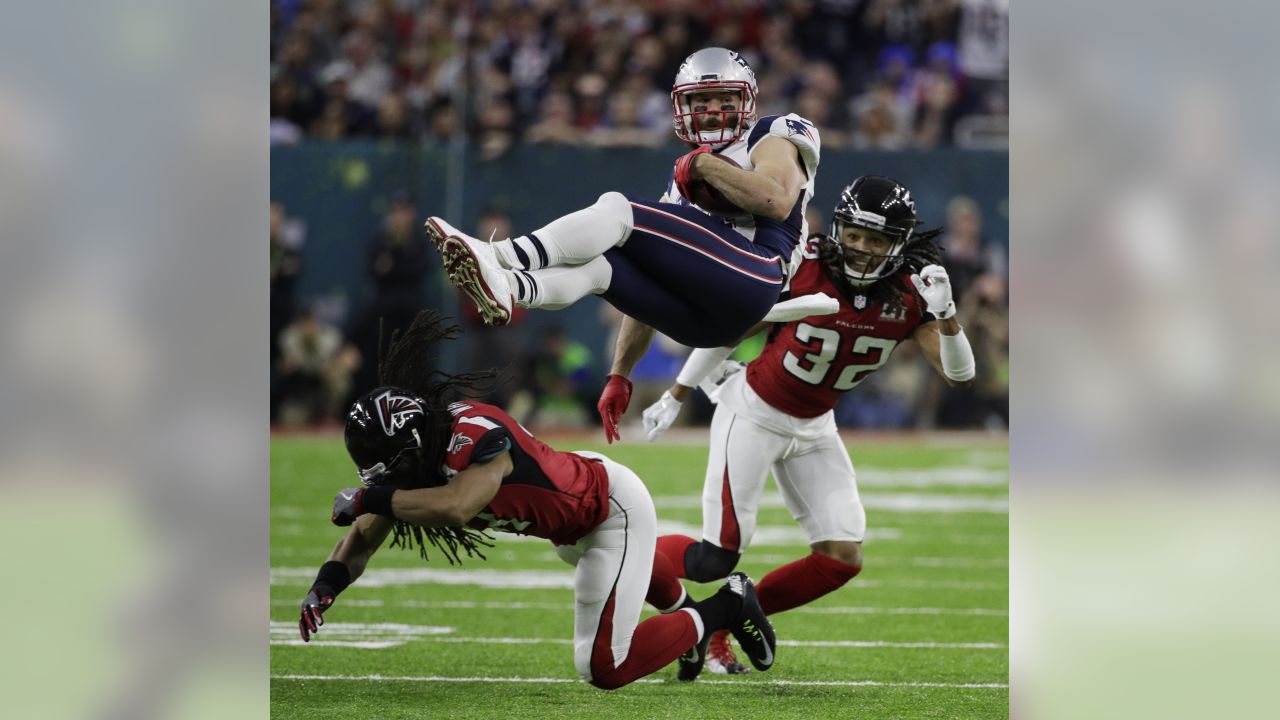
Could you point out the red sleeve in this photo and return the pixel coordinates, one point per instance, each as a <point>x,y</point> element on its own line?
<point>476,439</point>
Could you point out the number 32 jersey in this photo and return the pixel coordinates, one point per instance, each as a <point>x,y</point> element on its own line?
<point>808,364</point>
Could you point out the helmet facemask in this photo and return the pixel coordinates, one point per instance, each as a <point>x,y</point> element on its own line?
<point>876,265</point>
<point>690,122</point>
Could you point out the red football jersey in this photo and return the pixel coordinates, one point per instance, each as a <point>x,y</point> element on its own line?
<point>549,494</point>
<point>807,364</point>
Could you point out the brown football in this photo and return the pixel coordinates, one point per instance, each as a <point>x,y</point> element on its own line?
<point>707,197</point>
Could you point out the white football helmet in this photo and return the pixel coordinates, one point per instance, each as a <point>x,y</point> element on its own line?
<point>712,69</point>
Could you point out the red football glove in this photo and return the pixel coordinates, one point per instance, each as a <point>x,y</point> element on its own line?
<point>613,403</point>
<point>684,169</point>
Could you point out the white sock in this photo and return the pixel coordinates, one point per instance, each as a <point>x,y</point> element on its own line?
<point>577,237</point>
<point>507,257</point>
<point>556,288</point>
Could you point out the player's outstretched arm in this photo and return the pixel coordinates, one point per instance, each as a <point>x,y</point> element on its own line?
<point>346,562</point>
<point>770,190</point>
<point>634,338</point>
<point>943,342</point>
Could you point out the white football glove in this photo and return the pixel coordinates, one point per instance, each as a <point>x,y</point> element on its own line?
<point>659,416</point>
<point>934,286</point>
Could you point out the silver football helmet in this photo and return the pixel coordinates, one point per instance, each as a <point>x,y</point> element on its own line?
<point>712,69</point>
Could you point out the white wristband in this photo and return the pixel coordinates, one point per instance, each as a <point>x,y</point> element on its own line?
<point>700,364</point>
<point>957,356</point>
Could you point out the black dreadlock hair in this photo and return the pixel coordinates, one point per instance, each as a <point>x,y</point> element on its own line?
<point>918,252</point>
<point>406,363</point>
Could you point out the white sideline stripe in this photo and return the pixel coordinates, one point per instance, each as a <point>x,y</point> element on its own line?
<point>892,502</point>
<point>946,476</point>
<point>494,605</point>
<point>359,644</point>
<point>295,640</point>
<point>546,579</point>
<point>646,681</point>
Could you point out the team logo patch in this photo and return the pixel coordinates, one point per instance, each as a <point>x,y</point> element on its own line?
<point>395,411</point>
<point>458,442</point>
<point>860,302</point>
<point>797,127</point>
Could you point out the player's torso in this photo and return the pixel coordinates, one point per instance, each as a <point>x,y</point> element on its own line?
<point>740,151</point>
<point>808,364</point>
<point>549,494</point>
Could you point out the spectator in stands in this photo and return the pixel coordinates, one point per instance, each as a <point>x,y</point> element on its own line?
<point>561,381</point>
<point>315,369</point>
<point>287,237</point>
<point>968,252</point>
<point>556,126</point>
<point>400,259</point>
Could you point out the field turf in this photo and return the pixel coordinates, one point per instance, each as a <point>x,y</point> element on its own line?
<point>921,633</point>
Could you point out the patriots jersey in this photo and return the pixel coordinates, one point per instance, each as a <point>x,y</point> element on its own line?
<point>549,494</point>
<point>807,364</point>
<point>796,130</point>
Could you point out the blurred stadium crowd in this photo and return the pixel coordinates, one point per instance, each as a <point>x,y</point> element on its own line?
<point>873,74</point>
<point>881,74</point>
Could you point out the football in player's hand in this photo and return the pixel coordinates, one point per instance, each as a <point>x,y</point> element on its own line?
<point>706,196</point>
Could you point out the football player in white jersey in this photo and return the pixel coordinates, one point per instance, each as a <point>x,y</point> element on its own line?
<point>700,278</point>
<point>777,414</point>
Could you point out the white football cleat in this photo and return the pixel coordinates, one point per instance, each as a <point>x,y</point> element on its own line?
<point>473,268</point>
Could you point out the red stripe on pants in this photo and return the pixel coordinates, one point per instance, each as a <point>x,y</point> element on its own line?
<point>730,534</point>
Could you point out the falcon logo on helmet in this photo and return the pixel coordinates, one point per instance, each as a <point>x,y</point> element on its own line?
<point>395,411</point>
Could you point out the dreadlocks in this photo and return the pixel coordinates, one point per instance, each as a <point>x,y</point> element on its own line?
<point>406,363</point>
<point>917,253</point>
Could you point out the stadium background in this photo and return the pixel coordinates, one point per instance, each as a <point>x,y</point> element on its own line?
<point>504,115</point>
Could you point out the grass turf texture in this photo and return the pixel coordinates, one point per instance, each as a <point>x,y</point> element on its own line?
<point>936,578</point>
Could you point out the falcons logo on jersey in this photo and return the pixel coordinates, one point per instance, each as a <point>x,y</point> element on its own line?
<point>395,411</point>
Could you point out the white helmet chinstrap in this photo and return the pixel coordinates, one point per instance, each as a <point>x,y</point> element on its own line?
<point>709,70</point>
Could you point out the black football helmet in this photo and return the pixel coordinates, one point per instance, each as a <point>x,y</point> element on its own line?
<point>881,204</point>
<point>384,436</point>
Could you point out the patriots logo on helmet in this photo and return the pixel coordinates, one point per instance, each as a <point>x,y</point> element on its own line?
<point>395,411</point>
<point>797,127</point>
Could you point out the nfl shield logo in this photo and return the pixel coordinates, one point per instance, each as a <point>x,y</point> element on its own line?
<point>860,302</point>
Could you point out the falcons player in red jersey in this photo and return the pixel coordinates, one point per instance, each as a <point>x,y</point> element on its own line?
<point>778,415</point>
<point>444,472</point>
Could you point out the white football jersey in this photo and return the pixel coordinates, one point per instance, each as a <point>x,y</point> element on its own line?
<point>800,132</point>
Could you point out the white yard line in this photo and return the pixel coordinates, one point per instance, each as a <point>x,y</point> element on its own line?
<point>545,579</point>
<point>646,681</point>
<point>377,636</point>
<point>892,502</point>
<point>495,605</point>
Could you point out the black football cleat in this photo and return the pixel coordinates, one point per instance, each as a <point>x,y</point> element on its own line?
<point>689,665</point>
<point>751,628</point>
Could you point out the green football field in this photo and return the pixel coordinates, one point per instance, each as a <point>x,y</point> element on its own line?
<point>921,633</point>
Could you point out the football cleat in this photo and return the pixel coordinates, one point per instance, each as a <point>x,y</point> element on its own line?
<point>689,665</point>
<point>751,628</point>
<point>720,658</point>
<point>473,268</point>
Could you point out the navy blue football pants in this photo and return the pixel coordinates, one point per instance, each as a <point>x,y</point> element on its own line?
<point>691,276</point>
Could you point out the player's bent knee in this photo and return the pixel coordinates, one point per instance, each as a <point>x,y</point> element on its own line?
<point>848,554</point>
<point>617,206</point>
<point>704,562</point>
